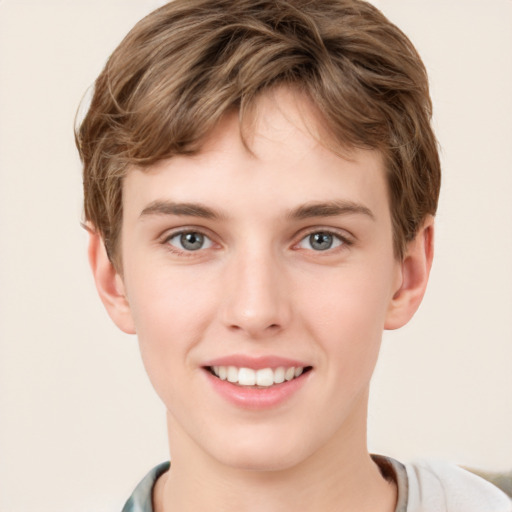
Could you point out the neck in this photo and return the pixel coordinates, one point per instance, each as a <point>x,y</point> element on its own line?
<point>341,476</point>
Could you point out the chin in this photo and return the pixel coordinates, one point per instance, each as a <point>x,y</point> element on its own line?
<point>262,455</point>
<point>259,462</point>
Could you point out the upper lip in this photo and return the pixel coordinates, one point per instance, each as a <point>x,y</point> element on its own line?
<point>256,363</point>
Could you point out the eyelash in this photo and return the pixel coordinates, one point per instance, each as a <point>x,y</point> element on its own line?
<point>344,241</point>
<point>184,252</point>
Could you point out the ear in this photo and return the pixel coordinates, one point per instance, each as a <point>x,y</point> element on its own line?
<point>109,284</point>
<point>414,272</point>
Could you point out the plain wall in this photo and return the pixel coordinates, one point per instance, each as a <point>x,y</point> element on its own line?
<point>79,422</point>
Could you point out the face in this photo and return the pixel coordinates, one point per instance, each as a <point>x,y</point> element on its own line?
<point>259,283</point>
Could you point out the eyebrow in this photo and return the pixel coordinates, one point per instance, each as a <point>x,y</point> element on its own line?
<point>305,211</point>
<point>329,209</point>
<point>160,207</point>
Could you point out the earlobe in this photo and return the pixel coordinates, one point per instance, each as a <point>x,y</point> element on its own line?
<point>109,284</point>
<point>415,270</point>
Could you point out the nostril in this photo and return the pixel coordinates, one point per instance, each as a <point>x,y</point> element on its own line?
<point>271,327</point>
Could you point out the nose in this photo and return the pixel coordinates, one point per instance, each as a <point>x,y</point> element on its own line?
<point>256,299</point>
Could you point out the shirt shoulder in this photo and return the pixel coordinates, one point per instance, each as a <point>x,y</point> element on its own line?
<point>141,498</point>
<point>436,486</point>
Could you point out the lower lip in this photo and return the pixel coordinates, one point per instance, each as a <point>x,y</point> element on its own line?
<point>247,397</point>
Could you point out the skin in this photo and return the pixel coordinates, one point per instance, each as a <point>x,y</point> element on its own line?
<point>259,287</point>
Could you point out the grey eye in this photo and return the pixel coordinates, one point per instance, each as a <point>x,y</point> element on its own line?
<point>320,241</point>
<point>190,241</point>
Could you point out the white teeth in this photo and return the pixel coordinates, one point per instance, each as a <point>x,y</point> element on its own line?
<point>264,377</point>
<point>232,374</point>
<point>246,377</point>
<point>279,375</point>
<point>289,373</point>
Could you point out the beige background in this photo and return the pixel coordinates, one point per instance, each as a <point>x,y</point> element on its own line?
<point>79,423</point>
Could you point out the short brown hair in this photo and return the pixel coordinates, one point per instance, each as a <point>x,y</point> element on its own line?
<point>184,66</point>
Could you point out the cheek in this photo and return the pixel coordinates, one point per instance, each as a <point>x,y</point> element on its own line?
<point>172,300</point>
<point>347,317</point>
<point>171,313</point>
<point>349,299</point>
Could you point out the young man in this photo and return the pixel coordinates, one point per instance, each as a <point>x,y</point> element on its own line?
<point>260,183</point>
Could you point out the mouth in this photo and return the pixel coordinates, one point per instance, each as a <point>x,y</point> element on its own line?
<point>262,378</point>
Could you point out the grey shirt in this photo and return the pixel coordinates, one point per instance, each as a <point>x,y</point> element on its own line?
<point>141,498</point>
<point>426,486</point>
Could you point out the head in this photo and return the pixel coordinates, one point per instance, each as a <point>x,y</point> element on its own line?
<point>188,64</point>
<point>262,175</point>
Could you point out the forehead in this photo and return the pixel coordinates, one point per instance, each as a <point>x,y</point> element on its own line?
<point>279,155</point>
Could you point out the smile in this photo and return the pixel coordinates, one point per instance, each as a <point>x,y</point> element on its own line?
<point>264,377</point>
